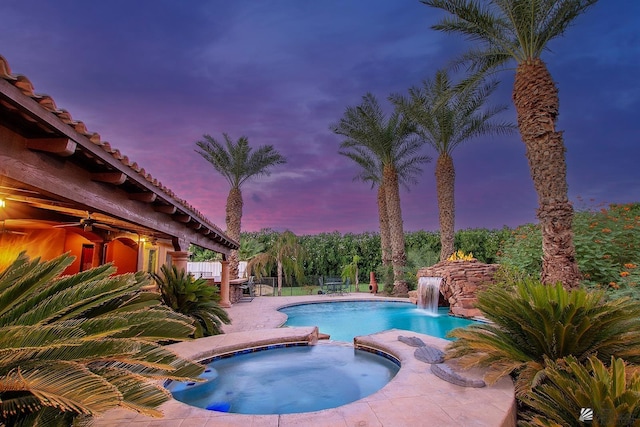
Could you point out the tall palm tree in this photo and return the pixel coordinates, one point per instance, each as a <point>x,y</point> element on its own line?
<point>237,163</point>
<point>390,145</point>
<point>520,30</point>
<point>371,171</point>
<point>286,254</point>
<point>445,117</point>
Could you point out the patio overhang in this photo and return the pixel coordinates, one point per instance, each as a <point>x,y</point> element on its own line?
<point>53,169</point>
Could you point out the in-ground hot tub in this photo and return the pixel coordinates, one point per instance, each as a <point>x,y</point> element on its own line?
<point>288,378</point>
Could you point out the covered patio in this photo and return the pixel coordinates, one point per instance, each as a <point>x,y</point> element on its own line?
<point>63,189</point>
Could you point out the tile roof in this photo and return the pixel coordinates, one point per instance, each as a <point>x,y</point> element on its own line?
<point>48,103</point>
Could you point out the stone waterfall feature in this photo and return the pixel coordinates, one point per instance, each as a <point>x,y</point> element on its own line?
<point>429,293</point>
<point>461,281</point>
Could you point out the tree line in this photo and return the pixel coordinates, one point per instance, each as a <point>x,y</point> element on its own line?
<point>326,254</point>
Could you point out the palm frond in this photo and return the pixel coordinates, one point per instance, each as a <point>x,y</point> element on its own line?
<point>138,393</point>
<point>66,386</point>
<point>237,161</point>
<point>24,279</point>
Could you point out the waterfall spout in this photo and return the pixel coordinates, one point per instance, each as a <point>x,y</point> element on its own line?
<point>429,293</point>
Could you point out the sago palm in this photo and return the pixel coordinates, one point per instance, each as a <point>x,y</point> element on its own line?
<point>575,392</point>
<point>520,30</point>
<point>237,163</point>
<point>390,144</point>
<point>194,298</point>
<point>445,117</point>
<point>533,322</point>
<point>79,345</point>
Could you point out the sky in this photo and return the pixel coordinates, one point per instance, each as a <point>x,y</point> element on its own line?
<point>153,76</point>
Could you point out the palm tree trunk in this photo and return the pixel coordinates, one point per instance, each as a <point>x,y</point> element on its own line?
<point>279,278</point>
<point>398,256</point>
<point>233,220</point>
<point>445,185</point>
<point>385,233</point>
<point>536,99</point>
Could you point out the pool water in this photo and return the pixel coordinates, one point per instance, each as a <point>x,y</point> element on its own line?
<point>288,380</point>
<point>343,320</point>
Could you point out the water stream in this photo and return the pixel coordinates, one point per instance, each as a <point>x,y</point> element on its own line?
<point>429,293</point>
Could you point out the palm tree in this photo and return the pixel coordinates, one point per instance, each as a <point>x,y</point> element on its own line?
<point>521,30</point>
<point>194,298</point>
<point>350,271</point>
<point>446,117</point>
<point>389,145</point>
<point>76,346</point>
<point>371,171</point>
<point>286,254</point>
<point>237,164</point>
<point>249,248</point>
<point>533,323</point>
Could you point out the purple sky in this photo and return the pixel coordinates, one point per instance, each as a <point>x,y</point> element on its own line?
<point>151,77</point>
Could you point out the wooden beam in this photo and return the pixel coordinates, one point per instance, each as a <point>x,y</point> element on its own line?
<point>167,209</point>
<point>63,147</point>
<point>116,178</point>
<point>182,218</point>
<point>143,197</point>
<point>195,226</point>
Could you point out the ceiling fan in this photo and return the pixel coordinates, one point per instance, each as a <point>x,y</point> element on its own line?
<point>5,230</point>
<point>87,224</point>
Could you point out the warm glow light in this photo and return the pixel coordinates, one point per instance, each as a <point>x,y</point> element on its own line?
<point>2,204</point>
<point>39,245</point>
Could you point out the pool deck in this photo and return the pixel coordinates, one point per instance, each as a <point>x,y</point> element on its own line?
<point>415,397</point>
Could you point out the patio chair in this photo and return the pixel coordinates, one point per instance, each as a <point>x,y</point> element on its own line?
<point>344,289</point>
<point>248,290</point>
<point>323,289</point>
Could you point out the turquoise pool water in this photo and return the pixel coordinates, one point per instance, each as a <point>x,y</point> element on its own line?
<point>344,320</point>
<point>288,380</point>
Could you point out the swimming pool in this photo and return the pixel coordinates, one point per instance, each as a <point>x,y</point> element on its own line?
<point>343,320</point>
<point>288,379</point>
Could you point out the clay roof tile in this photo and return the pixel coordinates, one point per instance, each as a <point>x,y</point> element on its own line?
<point>47,102</point>
<point>81,128</point>
<point>5,71</point>
<point>95,138</point>
<point>65,116</point>
<point>24,84</point>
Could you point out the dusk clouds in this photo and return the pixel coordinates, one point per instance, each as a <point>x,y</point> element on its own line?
<point>151,77</point>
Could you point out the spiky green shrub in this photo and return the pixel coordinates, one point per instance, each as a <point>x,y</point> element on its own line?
<point>194,298</point>
<point>79,345</point>
<point>532,322</point>
<point>571,389</point>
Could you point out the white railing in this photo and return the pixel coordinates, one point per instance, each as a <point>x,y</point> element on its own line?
<point>212,269</point>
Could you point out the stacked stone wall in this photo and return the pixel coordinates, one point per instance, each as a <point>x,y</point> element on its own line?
<point>461,281</point>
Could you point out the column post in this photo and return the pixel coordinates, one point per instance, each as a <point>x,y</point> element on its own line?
<point>179,259</point>
<point>224,285</point>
